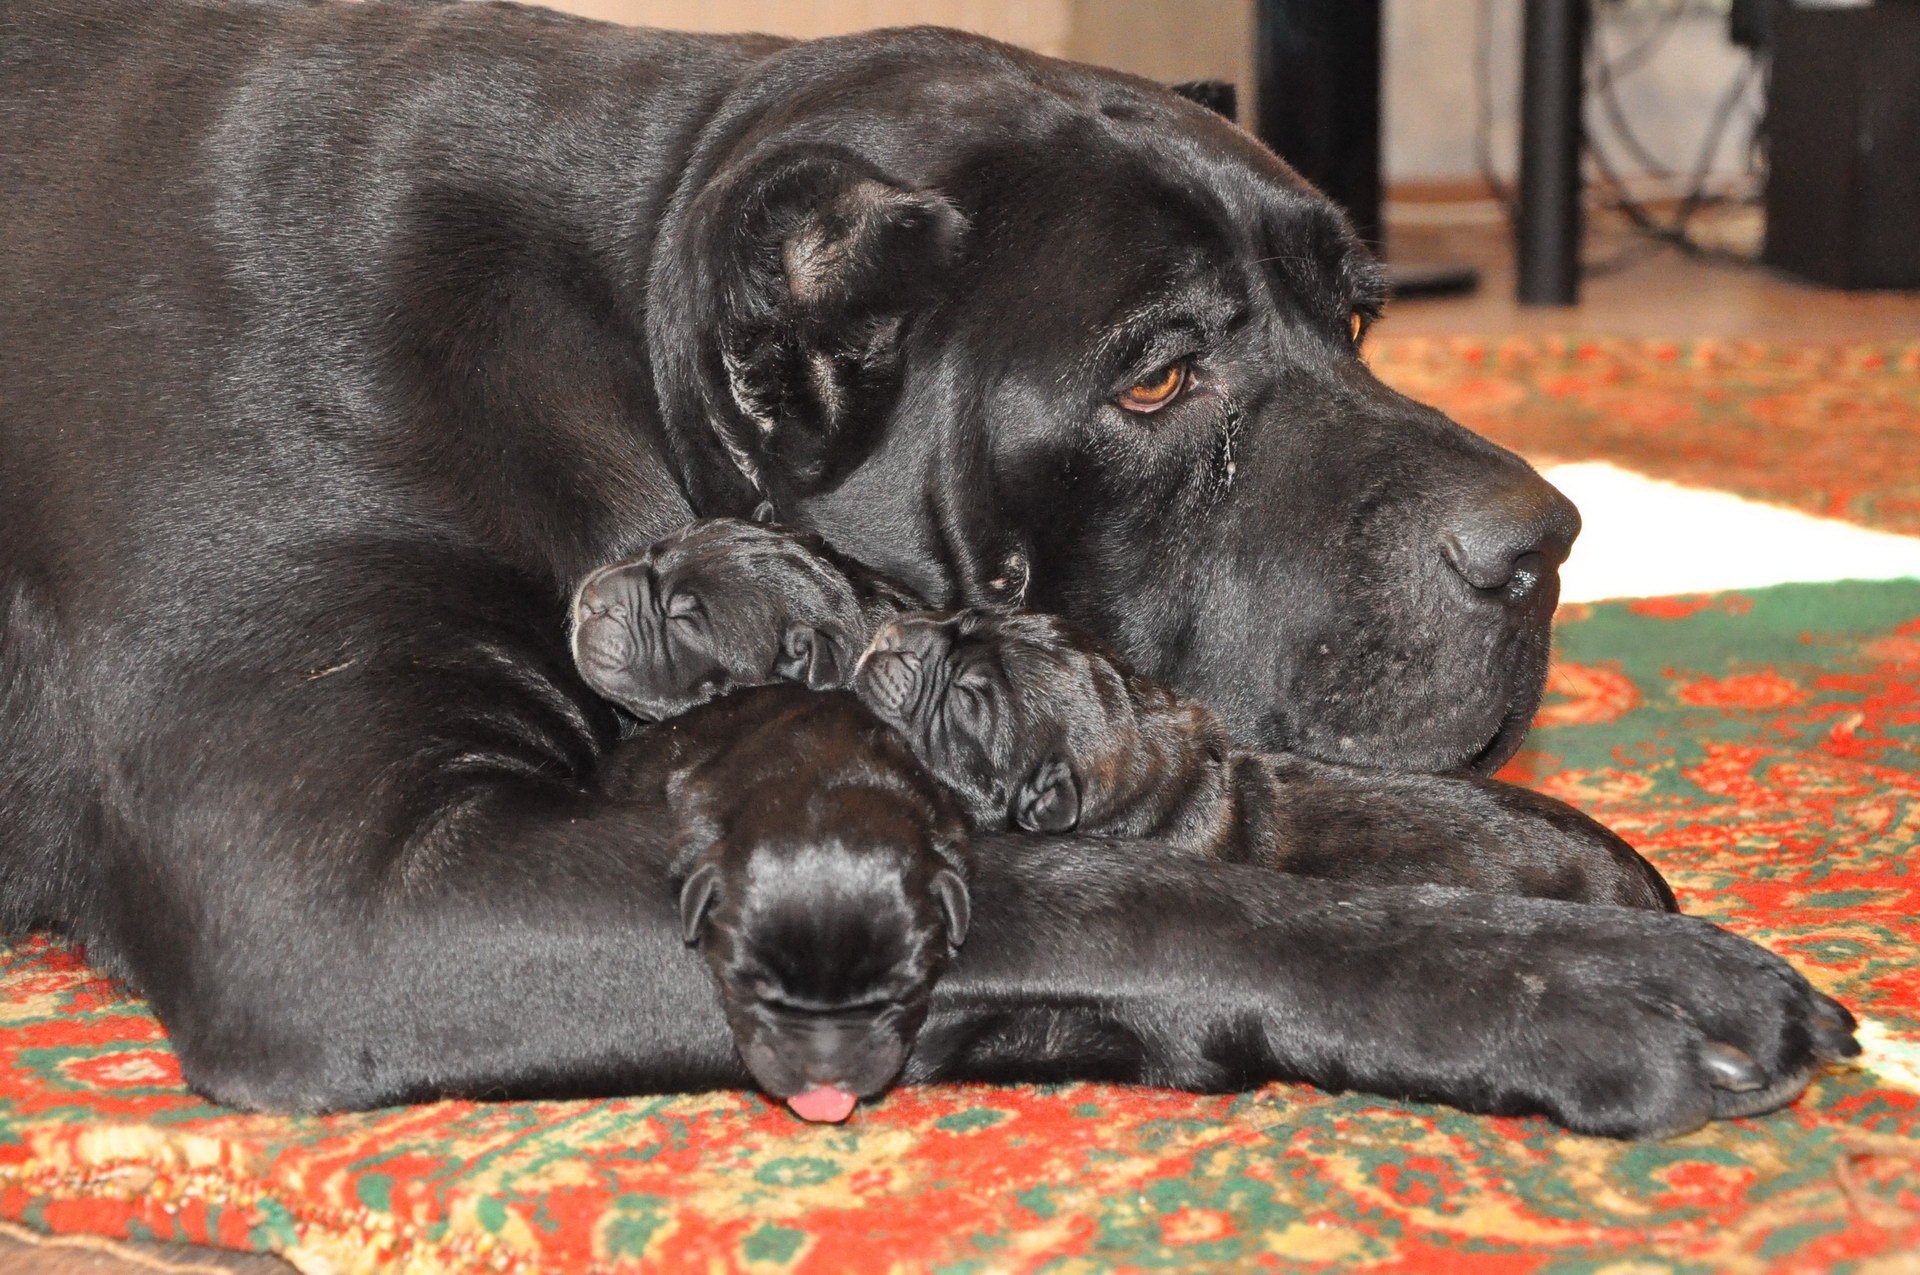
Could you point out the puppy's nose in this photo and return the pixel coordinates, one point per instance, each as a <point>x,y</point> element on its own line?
<point>1509,539</point>
<point>887,678</point>
<point>889,674</point>
<point>593,600</point>
<point>616,591</point>
<point>607,611</point>
<point>909,637</point>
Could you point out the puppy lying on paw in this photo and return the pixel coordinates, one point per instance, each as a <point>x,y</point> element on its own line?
<point>724,603</point>
<point>1033,724</point>
<point>824,883</point>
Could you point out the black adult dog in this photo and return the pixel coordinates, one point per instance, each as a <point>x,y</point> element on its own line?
<point>338,340</point>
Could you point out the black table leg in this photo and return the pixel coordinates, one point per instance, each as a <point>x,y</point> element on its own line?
<point>1318,63</point>
<point>1548,224</point>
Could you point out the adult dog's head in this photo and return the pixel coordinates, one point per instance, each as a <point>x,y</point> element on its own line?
<point>1011,328</point>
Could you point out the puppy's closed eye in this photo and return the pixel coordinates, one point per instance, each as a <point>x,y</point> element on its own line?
<point>972,703</point>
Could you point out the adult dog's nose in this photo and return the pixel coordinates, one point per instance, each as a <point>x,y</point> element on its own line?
<point>1511,538</point>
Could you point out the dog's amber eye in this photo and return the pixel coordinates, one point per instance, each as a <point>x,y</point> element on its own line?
<point>1156,391</point>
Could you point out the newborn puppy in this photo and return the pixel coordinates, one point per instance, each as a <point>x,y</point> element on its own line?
<point>824,883</point>
<point>723,603</point>
<point>1034,725</point>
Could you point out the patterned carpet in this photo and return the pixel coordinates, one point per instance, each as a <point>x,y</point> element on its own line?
<point>1827,429</point>
<point>1763,748</point>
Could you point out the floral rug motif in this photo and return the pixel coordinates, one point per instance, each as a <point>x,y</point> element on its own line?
<point>1763,748</point>
<point>1831,430</point>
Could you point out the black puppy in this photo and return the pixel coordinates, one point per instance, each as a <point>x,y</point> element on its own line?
<point>724,603</point>
<point>1035,725</point>
<point>823,879</point>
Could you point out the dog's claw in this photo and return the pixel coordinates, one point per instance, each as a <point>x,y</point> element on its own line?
<point>1730,1068</point>
<point>1833,1028</point>
<point>1729,1104</point>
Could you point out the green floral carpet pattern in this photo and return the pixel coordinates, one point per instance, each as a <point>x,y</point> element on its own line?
<point>1763,748</point>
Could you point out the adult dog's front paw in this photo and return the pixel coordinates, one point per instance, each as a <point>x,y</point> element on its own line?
<point>1669,1023</point>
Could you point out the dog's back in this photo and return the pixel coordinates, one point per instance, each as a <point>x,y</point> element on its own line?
<point>230,230</point>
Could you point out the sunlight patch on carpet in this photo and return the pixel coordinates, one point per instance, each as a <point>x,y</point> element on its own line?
<point>1646,538</point>
<point>1893,1057</point>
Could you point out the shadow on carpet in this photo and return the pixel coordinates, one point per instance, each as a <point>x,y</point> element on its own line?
<point>1763,748</point>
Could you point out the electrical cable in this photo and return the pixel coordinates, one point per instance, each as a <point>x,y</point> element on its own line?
<point>1696,194</point>
<point>1604,75</point>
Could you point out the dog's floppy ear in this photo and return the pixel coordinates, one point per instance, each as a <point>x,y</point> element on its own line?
<point>807,656</point>
<point>956,906</point>
<point>697,899</point>
<point>1049,799</point>
<point>823,262</point>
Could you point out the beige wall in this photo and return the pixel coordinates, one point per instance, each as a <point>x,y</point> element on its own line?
<point>1431,52</point>
<point>1167,40</point>
<point>1431,75</point>
<point>1041,26</point>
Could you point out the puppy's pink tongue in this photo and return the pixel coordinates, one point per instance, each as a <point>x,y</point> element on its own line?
<point>823,1105</point>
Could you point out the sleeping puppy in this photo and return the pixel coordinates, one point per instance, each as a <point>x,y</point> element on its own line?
<point>724,603</point>
<point>824,882</point>
<point>1034,725</point>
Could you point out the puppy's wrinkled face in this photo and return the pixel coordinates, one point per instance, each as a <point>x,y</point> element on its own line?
<point>721,604</point>
<point>1028,720</point>
<point>826,954</point>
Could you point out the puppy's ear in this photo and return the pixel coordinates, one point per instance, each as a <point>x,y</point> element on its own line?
<point>1049,799</point>
<point>956,906</point>
<point>824,263</point>
<point>697,899</point>
<point>807,656</point>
